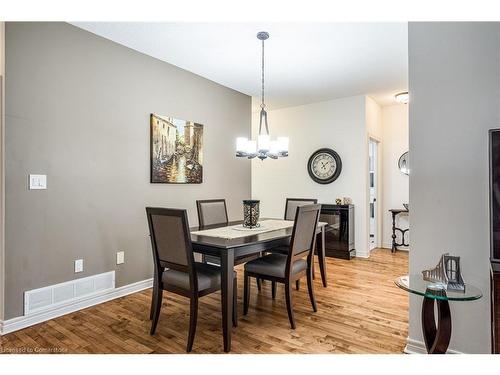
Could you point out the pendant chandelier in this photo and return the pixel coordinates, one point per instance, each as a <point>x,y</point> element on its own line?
<point>264,147</point>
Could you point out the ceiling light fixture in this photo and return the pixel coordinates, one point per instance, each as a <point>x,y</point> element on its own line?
<point>264,147</point>
<point>402,97</point>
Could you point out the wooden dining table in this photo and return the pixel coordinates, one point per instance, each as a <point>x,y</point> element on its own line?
<point>227,249</point>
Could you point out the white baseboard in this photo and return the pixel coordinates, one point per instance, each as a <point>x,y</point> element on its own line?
<point>15,324</point>
<point>418,347</point>
<point>389,246</point>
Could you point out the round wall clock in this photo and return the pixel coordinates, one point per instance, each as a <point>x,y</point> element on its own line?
<point>324,166</point>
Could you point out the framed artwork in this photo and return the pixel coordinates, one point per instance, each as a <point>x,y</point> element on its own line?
<point>176,151</point>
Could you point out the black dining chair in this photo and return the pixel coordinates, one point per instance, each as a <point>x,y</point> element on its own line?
<point>214,212</point>
<point>291,206</point>
<point>287,268</point>
<point>174,267</point>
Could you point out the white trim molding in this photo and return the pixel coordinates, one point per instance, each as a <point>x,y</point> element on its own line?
<point>386,245</point>
<point>362,255</point>
<point>15,324</point>
<point>418,347</point>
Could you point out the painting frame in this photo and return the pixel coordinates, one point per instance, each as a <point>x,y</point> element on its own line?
<point>187,148</point>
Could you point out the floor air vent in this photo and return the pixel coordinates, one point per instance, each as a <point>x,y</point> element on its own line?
<point>46,298</point>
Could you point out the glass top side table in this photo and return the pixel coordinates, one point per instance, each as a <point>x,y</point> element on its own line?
<point>436,337</point>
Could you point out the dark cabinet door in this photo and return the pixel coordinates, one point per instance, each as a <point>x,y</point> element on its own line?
<point>495,309</point>
<point>339,235</point>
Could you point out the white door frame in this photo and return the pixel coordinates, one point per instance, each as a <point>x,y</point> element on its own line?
<point>378,192</point>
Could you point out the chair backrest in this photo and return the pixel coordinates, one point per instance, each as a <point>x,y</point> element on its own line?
<point>304,233</point>
<point>171,240</point>
<point>211,212</point>
<point>292,204</point>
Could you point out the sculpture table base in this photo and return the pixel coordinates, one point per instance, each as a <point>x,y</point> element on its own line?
<point>436,337</point>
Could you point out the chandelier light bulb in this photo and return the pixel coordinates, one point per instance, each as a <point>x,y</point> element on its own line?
<point>283,145</point>
<point>251,148</point>
<point>264,141</point>
<point>241,144</point>
<point>274,148</point>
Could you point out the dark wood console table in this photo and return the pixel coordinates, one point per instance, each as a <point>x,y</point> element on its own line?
<point>395,244</point>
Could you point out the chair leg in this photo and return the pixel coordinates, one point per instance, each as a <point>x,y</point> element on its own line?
<point>259,284</point>
<point>235,301</point>
<point>193,317</point>
<point>273,289</point>
<point>153,301</point>
<point>297,284</point>
<point>288,296</point>
<point>310,288</point>
<point>246,293</point>
<point>156,313</point>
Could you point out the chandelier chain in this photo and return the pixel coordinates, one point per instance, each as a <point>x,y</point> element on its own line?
<point>262,105</point>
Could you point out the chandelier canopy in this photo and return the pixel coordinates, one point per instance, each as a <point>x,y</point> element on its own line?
<point>264,147</point>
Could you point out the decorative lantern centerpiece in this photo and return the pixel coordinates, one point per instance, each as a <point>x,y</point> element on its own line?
<point>251,213</point>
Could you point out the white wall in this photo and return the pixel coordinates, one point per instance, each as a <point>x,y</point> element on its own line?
<point>454,77</point>
<point>338,124</point>
<point>373,115</point>
<point>395,184</point>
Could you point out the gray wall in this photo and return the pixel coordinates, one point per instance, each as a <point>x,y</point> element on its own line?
<point>77,109</point>
<point>454,73</point>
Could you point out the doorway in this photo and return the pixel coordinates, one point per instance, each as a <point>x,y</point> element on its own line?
<point>373,204</point>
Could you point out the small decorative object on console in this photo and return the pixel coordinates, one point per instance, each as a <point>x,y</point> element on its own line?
<point>347,200</point>
<point>406,205</point>
<point>447,272</point>
<point>338,201</point>
<point>251,213</point>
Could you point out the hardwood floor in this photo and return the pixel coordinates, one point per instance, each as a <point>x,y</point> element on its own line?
<point>361,311</point>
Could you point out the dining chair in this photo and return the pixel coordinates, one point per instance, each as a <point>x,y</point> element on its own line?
<point>287,268</point>
<point>214,212</point>
<point>291,206</point>
<point>211,212</point>
<point>174,267</point>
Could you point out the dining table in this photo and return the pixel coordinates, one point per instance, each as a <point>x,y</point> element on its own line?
<point>231,240</point>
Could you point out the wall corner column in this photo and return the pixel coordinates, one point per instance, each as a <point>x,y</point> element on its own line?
<point>2,168</point>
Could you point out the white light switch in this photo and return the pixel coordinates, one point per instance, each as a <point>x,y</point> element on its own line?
<point>120,257</point>
<point>78,265</point>
<point>38,181</point>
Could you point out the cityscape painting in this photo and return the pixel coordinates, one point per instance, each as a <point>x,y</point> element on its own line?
<point>176,151</point>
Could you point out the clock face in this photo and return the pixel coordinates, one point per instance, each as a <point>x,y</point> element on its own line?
<point>324,166</point>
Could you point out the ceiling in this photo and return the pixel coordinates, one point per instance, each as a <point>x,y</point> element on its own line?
<point>305,62</point>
